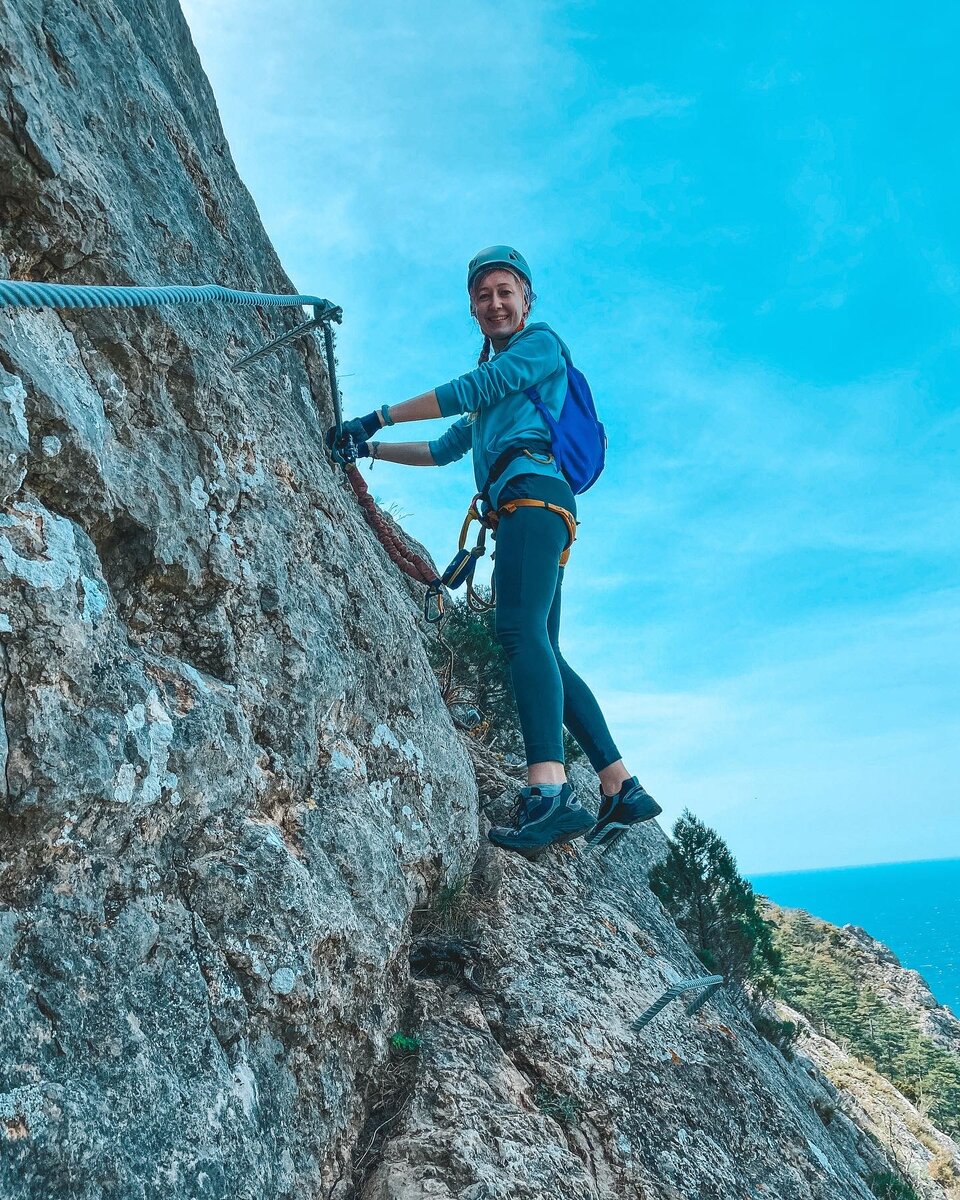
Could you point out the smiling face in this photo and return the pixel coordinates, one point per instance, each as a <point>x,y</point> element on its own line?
<point>499,304</point>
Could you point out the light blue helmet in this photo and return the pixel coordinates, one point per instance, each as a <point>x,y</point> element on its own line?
<point>498,256</point>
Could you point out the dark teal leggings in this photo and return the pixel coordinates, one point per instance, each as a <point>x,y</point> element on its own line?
<point>529,579</point>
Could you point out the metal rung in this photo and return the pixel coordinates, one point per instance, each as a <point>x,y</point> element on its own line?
<point>695,1005</point>
<point>709,982</point>
<point>322,315</point>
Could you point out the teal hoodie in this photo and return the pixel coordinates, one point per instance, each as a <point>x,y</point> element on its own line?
<point>497,413</point>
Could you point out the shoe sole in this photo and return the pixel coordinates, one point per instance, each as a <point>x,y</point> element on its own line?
<point>614,830</point>
<point>532,853</point>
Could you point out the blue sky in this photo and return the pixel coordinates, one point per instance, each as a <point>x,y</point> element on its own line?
<point>743,222</point>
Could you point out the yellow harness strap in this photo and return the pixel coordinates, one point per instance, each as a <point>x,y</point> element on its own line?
<point>511,506</point>
<point>473,514</point>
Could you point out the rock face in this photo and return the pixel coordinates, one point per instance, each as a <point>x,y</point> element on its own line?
<point>231,794</point>
<point>541,1088</point>
<point>228,773</point>
<point>922,1154</point>
<point>861,970</point>
<point>900,987</point>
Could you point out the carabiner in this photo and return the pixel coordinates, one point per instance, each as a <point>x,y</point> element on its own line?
<point>434,592</point>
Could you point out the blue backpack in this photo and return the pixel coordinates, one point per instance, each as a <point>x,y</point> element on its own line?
<point>577,441</point>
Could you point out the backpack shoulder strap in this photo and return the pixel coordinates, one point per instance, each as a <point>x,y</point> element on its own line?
<point>533,393</point>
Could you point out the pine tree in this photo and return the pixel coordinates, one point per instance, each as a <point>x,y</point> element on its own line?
<point>941,1086</point>
<point>700,886</point>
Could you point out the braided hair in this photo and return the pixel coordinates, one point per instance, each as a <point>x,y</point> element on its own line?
<point>529,297</point>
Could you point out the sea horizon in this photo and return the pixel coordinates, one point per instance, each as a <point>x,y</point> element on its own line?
<point>893,862</point>
<point>911,906</point>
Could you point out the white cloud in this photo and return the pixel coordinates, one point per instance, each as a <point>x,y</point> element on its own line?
<point>838,749</point>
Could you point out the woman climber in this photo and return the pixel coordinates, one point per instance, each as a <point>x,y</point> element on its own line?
<point>512,444</point>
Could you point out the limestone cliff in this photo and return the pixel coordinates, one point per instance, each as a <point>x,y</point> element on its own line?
<point>871,1027</point>
<point>231,793</point>
<point>228,774</point>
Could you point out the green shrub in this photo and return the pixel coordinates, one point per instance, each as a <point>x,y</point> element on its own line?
<point>887,1186</point>
<point>565,1110</point>
<point>450,910</point>
<point>821,979</point>
<point>699,885</point>
<point>782,1034</point>
<point>405,1044</point>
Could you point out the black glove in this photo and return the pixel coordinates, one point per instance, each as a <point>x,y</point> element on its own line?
<point>362,428</point>
<point>361,448</point>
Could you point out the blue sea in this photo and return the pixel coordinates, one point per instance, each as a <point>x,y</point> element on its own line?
<point>912,907</point>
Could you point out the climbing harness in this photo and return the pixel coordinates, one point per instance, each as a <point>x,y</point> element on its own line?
<point>464,563</point>
<point>708,983</point>
<point>570,520</point>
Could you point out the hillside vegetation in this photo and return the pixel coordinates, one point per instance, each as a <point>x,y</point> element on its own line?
<point>821,978</point>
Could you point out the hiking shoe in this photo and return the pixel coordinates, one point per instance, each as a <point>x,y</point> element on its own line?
<point>632,804</point>
<point>540,821</point>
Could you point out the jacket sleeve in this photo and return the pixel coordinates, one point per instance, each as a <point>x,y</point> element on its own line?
<point>453,444</point>
<point>527,363</point>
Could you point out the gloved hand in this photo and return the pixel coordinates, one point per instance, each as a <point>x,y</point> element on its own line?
<point>362,448</point>
<point>358,428</point>
<point>361,428</point>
